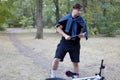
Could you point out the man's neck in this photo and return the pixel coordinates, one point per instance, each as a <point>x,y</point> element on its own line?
<point>74,16</point>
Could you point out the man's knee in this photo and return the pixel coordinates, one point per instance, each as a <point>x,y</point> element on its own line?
<point>55,63</point>
<point>56,60</point>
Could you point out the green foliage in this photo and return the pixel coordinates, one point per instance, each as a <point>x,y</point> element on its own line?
<point>105,26</point>
<point>5,10</point>
<point>13,22</point>
<point>93,31</point>
<point>48,13</point>
<point>3,27</point>
<point>101,16</point>
<point>26,21</point>
<point>29,27</point>
<point>108,23</point>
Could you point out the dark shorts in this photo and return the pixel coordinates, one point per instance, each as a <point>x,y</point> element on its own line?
<point>73,50</point>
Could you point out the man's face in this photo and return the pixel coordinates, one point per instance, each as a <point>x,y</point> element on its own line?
<point>77,12</point>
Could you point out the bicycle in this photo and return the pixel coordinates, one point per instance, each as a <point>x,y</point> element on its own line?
<point>98,76</point>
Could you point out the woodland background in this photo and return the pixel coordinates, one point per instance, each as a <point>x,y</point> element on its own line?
<point>101,16</point>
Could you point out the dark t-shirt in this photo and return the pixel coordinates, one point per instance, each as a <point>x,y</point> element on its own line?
<point>76,41</point>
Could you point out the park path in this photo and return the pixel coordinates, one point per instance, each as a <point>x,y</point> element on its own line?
<point>39,54</point>
<point>39,59</point>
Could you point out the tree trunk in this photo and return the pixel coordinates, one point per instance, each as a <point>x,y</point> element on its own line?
<point>68,6</point>
<point>103,8</point>
<point>84,2</point>
<point>39,24</point>
<point>111,1</point>
<point>56,2</point>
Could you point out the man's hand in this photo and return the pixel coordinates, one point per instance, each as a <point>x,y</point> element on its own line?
<point>67,37</point>
<point>59,29</point>
<point>81,35</point>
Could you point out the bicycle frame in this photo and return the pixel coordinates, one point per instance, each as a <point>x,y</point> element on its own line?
<point>96,77</point>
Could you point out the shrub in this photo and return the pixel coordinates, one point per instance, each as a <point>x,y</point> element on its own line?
<point>3,27</point>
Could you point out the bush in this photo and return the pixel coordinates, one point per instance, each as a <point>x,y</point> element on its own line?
<point>93,31</point>
<point>105,26</point>
<point>13,23</point>
<point>3,27</point>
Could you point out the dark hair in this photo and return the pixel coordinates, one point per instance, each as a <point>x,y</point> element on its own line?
<point>77,6</point>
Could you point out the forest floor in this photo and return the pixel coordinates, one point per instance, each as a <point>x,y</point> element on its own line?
<point>22,57</point>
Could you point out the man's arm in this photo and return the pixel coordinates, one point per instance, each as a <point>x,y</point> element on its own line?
<point>59,29</point>
<point>82,33</point>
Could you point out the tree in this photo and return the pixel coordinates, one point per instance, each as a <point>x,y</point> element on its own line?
<point>84,2</point>
<point>5,10</point>
<point>68,6</point>
<point>56,2</point>
<point>39,33</point>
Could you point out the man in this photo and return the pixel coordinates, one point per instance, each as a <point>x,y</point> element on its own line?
<point>72,27</point>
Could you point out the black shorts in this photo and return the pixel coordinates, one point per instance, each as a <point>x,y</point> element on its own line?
<point>73,50</point>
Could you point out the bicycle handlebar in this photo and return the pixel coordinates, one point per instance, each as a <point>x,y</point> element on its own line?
<point>101,67</point>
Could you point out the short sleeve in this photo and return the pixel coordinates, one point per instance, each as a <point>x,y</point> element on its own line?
<point>63,23</point>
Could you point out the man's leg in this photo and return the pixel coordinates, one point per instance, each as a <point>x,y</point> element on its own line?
<point>55,65</point>
<point>75,72</point>
<point>76,68</point>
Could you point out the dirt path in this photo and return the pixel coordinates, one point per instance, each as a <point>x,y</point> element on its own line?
<point>38,59</point>
<point>16,66</point>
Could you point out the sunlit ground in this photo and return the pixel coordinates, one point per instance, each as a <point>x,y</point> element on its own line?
<point>15,66</point>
